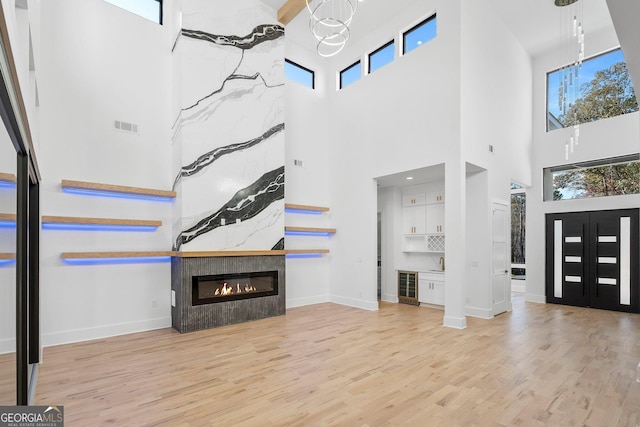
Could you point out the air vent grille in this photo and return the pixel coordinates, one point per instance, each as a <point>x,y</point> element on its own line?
<point>125,126</point>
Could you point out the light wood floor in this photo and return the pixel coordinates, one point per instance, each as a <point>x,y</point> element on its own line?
<point>541,365</point>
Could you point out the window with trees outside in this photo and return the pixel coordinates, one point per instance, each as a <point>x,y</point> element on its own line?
<point>603,90</point>
<point>606,177</point>
<point>518,226</point>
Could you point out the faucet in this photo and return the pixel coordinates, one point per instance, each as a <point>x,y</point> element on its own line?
<point>441,262</point>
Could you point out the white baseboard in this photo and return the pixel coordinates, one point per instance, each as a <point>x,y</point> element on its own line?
<point>455,322</point>
<point>535,298</point>
<point>87,334</point>
<point>357,303</point>
<point>301,302</point>
<point>389,298</point>
<point>518,286</point>
<point>482,313</point>
<point>8,346</point>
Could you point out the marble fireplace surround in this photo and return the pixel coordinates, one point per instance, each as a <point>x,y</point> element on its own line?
<point>186,317</point>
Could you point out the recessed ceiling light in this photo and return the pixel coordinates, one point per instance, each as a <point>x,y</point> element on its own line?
<point>409,177</point>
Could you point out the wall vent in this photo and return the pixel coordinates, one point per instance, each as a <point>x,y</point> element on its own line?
<point>298,163</point>
<point>126,127</point>
<point>490,148</point>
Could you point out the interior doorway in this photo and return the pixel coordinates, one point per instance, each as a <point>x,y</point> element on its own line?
<point>500,259</point>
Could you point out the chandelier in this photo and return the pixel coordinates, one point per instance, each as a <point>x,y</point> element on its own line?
<point>573,50</point>
<point>329,23</point>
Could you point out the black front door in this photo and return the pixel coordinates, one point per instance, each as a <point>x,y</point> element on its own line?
<point>592,259</point>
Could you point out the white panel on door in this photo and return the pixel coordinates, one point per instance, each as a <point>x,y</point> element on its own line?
<point>606,281</point>
<point>607,260</point>
<point>572,259</point>
<point>625,260</point>
<point>573,279</point>
<point>557,258</point>
<point>607,239</point>
<point>576,239</point>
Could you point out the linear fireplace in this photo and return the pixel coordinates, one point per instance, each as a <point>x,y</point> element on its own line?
<point>195,280</point>
<point>229,287</point>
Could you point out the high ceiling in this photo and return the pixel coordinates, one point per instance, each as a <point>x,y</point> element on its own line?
<point>535,23</point>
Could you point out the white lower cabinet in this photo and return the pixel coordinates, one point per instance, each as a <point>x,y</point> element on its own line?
<point>431,288</point>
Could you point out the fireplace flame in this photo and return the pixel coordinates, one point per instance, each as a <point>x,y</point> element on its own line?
<point>229,289</point>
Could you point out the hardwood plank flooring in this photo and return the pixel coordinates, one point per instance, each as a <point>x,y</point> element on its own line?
<point>540,365</point>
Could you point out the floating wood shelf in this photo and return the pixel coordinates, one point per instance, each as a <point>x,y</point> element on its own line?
<point>7,217</point>
<point>105,255</point>
<point>310,230</point>
<point>7,256</point>
<point>306,208</point>
<point>109,188</point>
<point>100,221</point>
<point>8,177</point>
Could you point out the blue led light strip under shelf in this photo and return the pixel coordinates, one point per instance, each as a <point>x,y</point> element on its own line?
<point>7,259</point>
<point>96,258</point>
<point>97,224</point>
<point>7,180</point>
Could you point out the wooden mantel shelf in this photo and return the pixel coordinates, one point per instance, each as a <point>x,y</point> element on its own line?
<point>8,177</point>
<point>100,221</point>
<point>194,254</point>
<point>110,188</point>
<point>7,256</point>
<point>202,254</point>
<point>310,230</point>
<point>306,207</point>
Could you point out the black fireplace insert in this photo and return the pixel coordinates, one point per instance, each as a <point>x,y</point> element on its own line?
<point>229,287</point>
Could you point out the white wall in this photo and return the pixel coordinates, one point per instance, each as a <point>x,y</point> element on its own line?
<point>496,110</point>
<point>386,123</point>
<point>308,139</point>
<point>100,63</point>
<point>605,138</point>
<point>425,108</point>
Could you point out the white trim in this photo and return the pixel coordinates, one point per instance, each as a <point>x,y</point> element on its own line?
<point>518,286</point>
<point>573,279</point>
<point>356,303</point>
<point>572,259</point>
<point>8,346</point>
<point>540,299</point>
<point>607,239</point>
<point>482,313</point>
<point>454,322</point>
<point>390,298</point>
<point>86,334</point>
<point>606,281</point>
<point>301,302</point>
